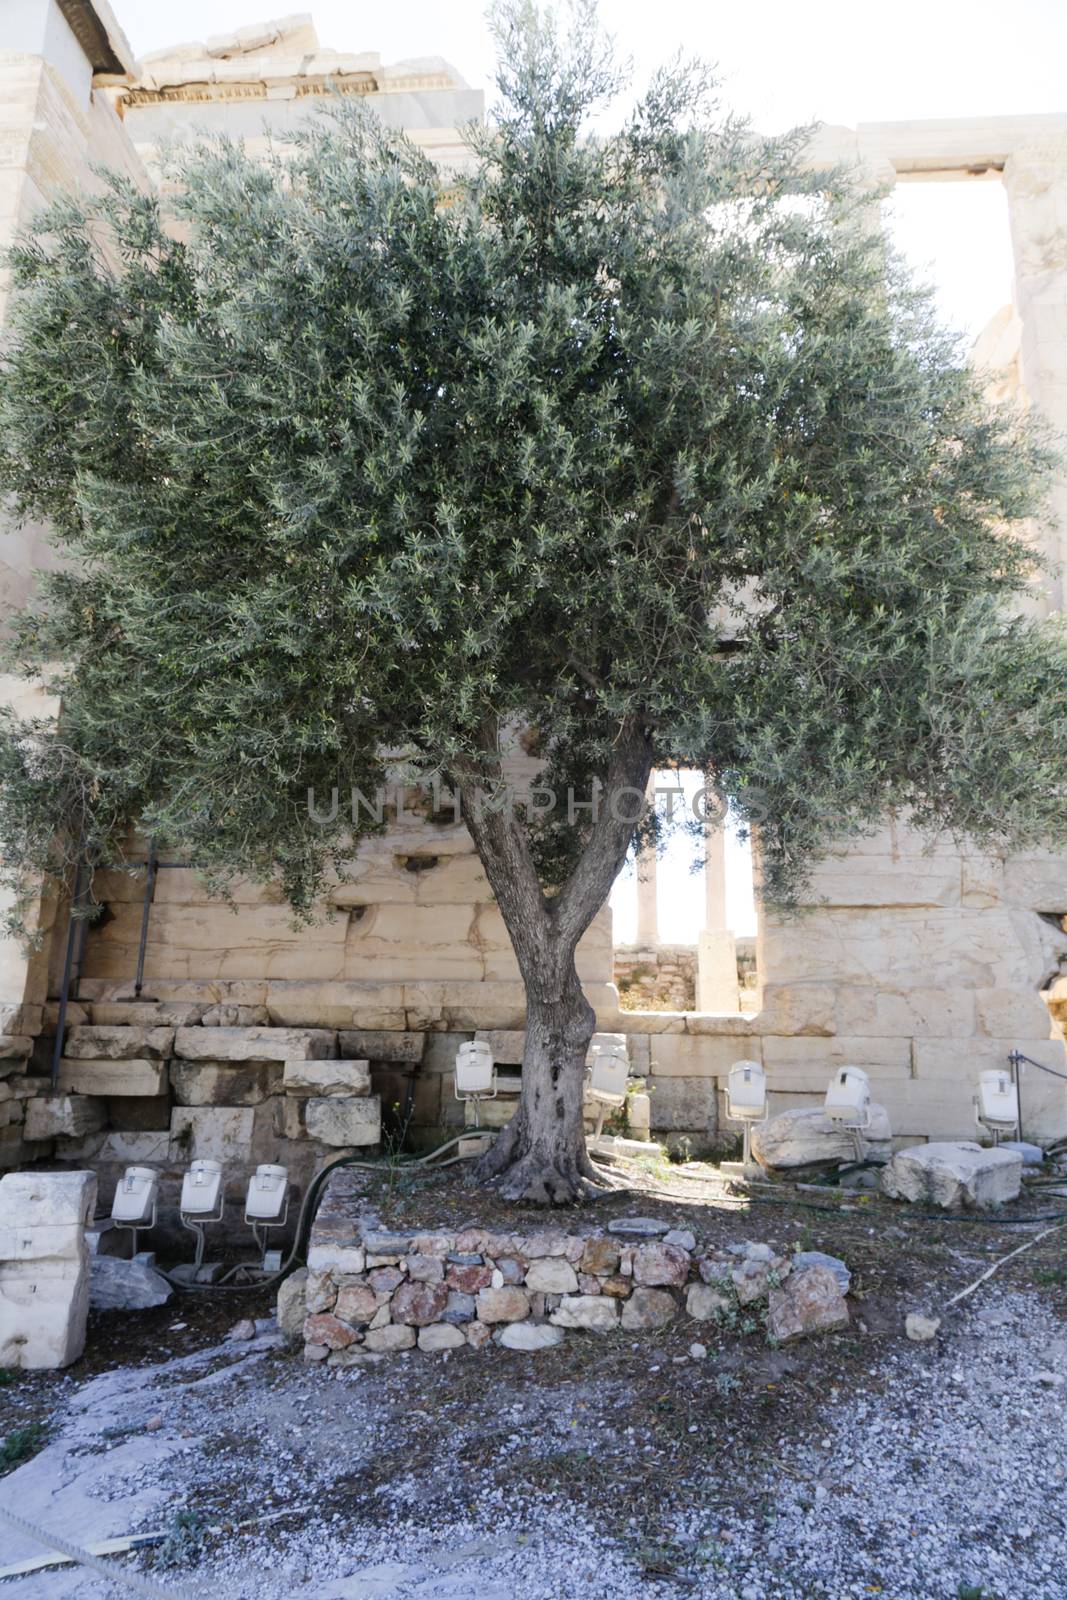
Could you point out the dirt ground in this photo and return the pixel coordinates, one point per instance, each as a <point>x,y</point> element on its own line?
<point>609,1466</point>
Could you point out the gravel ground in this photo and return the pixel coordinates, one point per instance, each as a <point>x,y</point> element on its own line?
<point>914,1472</point>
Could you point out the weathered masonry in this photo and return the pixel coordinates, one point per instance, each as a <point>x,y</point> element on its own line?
<point>248,1040</point>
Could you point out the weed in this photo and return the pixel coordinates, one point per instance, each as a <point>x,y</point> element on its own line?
<point>20,1444</point>
<point>182,1543</point>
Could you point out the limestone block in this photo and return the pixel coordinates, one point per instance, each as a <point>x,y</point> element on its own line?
<point>301,1004</point>
<point>1003,1012</point>
<point>878,880</point>
<point>947,1013</point>
<point>682,1105</point>
<point>327,1077</point>
<point>507,1304</point>
<point>92,1043</point>
<point>804,1137</point>
<point>125,1077</point>
<point>381,1045</point>
<point>954,1174</point>
<point>792,1008</point>
<point>342,1121</point>
<point>15,1047</point>
<point>706,1056</point>
<point>531,1336</point>
<point>410,941</point>
<point>63,1116</point>
<point>220,1083</point>
<point>44,1300</point>
<point>808,1063</point>
<point>505,1043</point>
<point>129,1149</point>
<point>716,980</point>
<point>228,1015</point>
<point>214,1133</point>
<point>255,1044</point>
<point>146,1013</point>
<point>917,948</point>
<point>441,1050</point>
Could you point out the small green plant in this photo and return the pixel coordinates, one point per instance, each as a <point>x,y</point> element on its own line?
<point>726,1383</point>
<point>20,1444</point>
<point>6,1377</point>
<point>1051,1277</point>
<point>182,1543</point>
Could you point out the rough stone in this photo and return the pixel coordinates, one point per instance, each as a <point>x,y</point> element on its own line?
<point>754,1279</point>
<point>292,1305</point>
<point>596,1313</point>
<point>394,1337</point>
<point>704,1303</point>
<point>358,1304</point>
<point>459,1308</point>
<point>639,1228</point>
<point>419,1303</point>
<point>381,1045</point>
<point>441,1336</point>
<point>379,1243</point>
<point>503,1305</point>
<point>819,1258</point>
<point>805,1137</point>
<point>323,1328</point>
<point>469,1280</point>
<point>919,1328</point>
<point>383,1280</point>
<point>551,1275</point>
<point>478,1335</point>
<point>810,1301</point>
<point>954,1174</point>
<point>649,1309</point>
<point>618,1287</point>
<point>661,1264</point>
<point>118,1284</point>
<point>209,1083</point>
<point>531,1336</point>
<point>600,1256</point>
<point>425,1269</point>
<point>682,1238</point>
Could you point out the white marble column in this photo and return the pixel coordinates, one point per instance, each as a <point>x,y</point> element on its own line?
<point>647,899</point>
<point>1035,178</point>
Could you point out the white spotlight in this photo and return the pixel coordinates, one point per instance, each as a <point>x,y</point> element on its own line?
<point>203,1200</point>
<point>848,1104</point>
<point>746,1102</point>
<point>134,1205</point>
<point>609,1067</point>
<point>475,1074</point>
<point>267,1206</point>
<point>997,1105</point>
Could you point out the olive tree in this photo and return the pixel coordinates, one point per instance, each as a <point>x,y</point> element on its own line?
<point>640,446</point>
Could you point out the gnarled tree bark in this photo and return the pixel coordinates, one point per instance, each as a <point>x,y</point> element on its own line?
<point>541,1155</point>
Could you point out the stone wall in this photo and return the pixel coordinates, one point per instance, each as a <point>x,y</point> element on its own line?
<point>369,1292</point>
<point>660,978</point>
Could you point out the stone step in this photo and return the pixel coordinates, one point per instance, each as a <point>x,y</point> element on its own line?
<point>255,1044</point>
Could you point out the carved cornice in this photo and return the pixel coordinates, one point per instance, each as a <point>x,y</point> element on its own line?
<point>92,34</point>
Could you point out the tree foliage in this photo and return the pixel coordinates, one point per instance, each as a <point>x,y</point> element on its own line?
<point>643,431</point>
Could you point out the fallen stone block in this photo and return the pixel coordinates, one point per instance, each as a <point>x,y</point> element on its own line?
<point>327,1077</point>
<point>344,1121</point>
<point>255,1044</point>
<point>116,1284</point>
<point>809,1302</point>
<point>806,1137</point>
<point>44,1300</point>
<point>127,1076</point>
<point>91,1042</point>
<point>63,1116</point>
<point>954,1174</point>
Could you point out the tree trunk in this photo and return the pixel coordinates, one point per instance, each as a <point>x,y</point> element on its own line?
<point>541,1155</point>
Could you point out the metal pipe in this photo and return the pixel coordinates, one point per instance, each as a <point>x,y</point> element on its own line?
<point>68,964</point>
<point>146,906</point>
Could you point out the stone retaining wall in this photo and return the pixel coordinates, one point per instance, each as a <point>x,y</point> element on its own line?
<point>368,1292</point>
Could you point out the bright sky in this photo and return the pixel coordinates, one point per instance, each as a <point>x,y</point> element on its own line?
<point>782,63</point>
